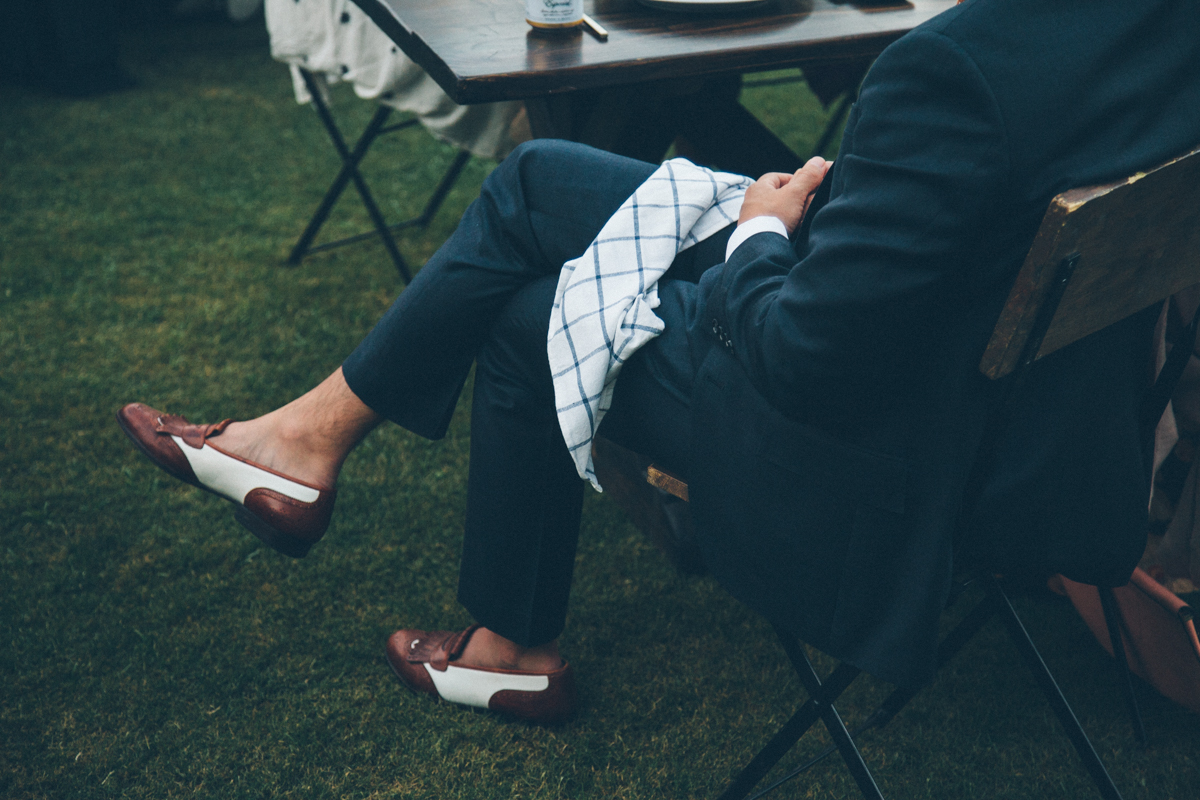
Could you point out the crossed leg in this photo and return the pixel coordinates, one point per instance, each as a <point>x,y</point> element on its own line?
<point>310,438</point>
<point>485,294</point>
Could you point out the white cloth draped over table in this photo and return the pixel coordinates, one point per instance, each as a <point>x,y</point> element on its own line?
<point>336,39</point>
<point>602,307</point>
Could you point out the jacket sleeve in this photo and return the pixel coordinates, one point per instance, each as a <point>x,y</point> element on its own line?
<point>923,167</point>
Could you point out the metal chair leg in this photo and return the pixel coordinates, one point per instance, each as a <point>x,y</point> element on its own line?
<point>439,194</point>
<point>349,172</point>
<point>1112,617</point>
<point>948,648</point>
<point>350,162</point>
<point>425,217</point>
<point>381,226</point>
<point>833,721</point>
<point>790,733</point>
<point>1033,659</point>
<point>954,641</point>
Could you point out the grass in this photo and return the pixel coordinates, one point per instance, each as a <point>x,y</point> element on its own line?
<point>149,648</point>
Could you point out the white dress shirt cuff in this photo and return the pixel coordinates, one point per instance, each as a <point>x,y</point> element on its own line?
<point>761,224</point>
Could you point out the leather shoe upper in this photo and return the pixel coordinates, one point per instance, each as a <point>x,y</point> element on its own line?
<point>288,514</point>
<point>425,662</point>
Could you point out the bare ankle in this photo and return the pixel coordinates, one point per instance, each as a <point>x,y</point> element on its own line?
<point>311,436</point>
<point>297,437</point>
<point>272,441</point>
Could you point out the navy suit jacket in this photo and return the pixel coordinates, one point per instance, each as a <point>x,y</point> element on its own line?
<point>839,406</point>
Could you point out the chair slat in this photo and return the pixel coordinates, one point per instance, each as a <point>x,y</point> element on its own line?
<point>662,479</point>
<point>1138,242</point>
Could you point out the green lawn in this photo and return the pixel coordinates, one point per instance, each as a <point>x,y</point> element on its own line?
<point>150,648</point>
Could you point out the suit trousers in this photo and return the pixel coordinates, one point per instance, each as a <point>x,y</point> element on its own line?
<point>485,297</point>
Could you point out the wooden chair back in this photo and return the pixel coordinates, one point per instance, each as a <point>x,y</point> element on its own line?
<point>1132,243</point>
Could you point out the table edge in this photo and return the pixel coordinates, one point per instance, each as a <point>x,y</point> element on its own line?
<point>467,90</point>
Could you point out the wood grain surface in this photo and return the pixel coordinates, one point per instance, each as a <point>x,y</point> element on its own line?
<point>1138,242</point>
<point>483,50</point>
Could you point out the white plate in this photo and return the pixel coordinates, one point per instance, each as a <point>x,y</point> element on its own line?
<point>710,6</point>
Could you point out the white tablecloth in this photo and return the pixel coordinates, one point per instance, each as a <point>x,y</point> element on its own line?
<point>334,38</point>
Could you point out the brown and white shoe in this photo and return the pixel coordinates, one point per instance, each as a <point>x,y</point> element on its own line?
<point>289,515</point>
<point>424,662</point>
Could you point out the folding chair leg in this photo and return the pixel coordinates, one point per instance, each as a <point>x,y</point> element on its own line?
<point>349,171</point>
<point>1053,694</point>
<point>790,733</point>
<point>954,641</point>
<point>833,721</point>
<point>948,648</point>
<point>443,189</point>
<point>1108,602</point>
<point>426,216</point>
<point>350,161</point>
<point>381,226</point>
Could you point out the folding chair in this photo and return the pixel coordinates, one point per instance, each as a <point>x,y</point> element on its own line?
<point>1101,255</point>
<point>349,172</point>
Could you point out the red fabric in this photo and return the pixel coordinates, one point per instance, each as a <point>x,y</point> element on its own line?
<point>1158,633</point>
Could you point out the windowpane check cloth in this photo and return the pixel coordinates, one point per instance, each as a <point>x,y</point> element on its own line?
<point>602,308</point>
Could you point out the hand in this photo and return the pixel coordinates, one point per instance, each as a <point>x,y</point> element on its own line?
<point>787,197</point>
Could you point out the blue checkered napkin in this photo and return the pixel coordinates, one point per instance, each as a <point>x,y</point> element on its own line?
<point>602,309</point>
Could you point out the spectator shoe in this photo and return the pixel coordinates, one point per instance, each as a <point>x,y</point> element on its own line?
<point>424,662</point>
<point>288,515</point>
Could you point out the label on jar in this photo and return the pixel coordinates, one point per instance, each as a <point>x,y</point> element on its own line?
<point>553,13</point>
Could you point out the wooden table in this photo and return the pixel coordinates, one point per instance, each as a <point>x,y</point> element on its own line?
<point>580,88</point>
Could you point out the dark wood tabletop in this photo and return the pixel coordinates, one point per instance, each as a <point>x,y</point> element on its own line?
<point>483,50</point>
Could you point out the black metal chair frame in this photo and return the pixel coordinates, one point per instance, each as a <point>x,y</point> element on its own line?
<point>351,158</point>
<point>823,695</point>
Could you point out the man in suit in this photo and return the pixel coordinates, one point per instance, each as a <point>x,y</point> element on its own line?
<point>816,383</point>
